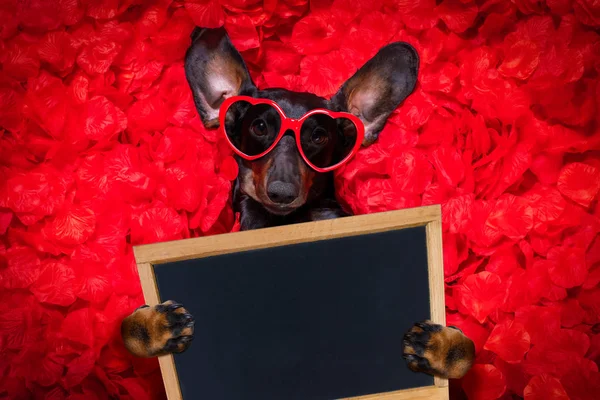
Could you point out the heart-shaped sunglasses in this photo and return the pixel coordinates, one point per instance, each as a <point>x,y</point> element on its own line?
<point>325,139</point>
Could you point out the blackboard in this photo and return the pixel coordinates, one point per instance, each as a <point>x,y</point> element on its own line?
<point>300,319</point>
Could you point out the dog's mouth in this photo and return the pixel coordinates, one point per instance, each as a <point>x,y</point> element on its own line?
<point>256,189</point>
<point>280,209</point>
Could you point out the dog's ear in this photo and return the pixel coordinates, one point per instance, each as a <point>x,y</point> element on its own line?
<point>377,88</point>
<point>215,71</point>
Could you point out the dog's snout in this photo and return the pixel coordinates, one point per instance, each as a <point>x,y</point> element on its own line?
<point>281,192</point>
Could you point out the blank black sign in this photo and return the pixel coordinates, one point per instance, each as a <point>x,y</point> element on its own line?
<point>311,321</point>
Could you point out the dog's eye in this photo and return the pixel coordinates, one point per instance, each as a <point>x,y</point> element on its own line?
<point>258,127</point>
<point>319,136</point>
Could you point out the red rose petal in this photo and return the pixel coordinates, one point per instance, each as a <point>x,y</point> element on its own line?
<point>590,302</point>
<point>583,382</point>
<point>316,34</point>
<point>79,369</point>
<point>568,267</point>
<point>545,387</point>
<point>229,168</point>
<point>207,14</point>
<point>546,167</point>
<point>55,285</point>
<point>242,32</point>
<point>509,340</point>
<point>457,15</point>
<point>280,58</point>
<point>571,313</point>
<point>448,165</point>
<point>165,222</point>
<point>480,294</point>
<point>539,322</point>
<point>77,327</point>
<point>579,182</point>
<point>71,226</point>
<point>516,376</point>
<point>512,217</point>
<point>484,382</point>
<point>521,59</point>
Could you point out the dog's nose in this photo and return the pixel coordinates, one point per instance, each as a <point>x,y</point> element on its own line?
<point>281,192</point>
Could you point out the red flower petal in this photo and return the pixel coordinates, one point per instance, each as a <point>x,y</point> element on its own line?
<point>97,57</point>
<point>545,387</point>
<point>539,322</point>
<point>57,49</point>
<point>77,327</point>
<point>448,165</point>
<point>242,32</point>
<point>152,20</point>
<point>229,168</point>
<point>11,108</point>
<point>280,58</point>
<point>480,295</point>
<point>55,285</point>
<point>512,216</point>
<point>588,12</point>
<point>92,282</point>
<point>571,313</point>
<point>5,219</point>
<point>316,34</point>
<point>34,364</point>
<point>22,269</point>
<point>579,182</point>
<point>548,205</point>
<point>79,369</point>
<point>509,340</point>
<point>583,382</point>
<point>484,382</point>
<point>521,59</point>
<point>411,171</point>
<point>320,74</point>
<point>590,302</point>
<point>457,15</point>
<point>205,13</point>
<point>47,103</point>
<point>456,213</point>
<point>546,167</point>
<point>516,376</point>
<point>20,61</point>
<point>439,78</point>
<point>147,115</point>
<point>503,262</point>
<point>72,226</point>
<point>164,222</point>
<point>568,268</point>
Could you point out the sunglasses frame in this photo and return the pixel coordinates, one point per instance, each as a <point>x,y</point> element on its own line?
<point>293,125</point>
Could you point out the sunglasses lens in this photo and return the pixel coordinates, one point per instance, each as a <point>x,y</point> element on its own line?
<point>251,129</point>
<point>327,141</point>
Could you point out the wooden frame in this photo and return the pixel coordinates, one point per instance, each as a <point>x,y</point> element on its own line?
<point>430,216</point>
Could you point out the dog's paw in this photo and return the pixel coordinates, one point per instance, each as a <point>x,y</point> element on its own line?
<point>154,331</point>
<point>438,350</point>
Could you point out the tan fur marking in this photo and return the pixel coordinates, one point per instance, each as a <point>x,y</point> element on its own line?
<point>438,347</point>
<point>155,324</point>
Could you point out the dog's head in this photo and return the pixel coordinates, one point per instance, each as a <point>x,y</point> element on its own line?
<point>281,180</point>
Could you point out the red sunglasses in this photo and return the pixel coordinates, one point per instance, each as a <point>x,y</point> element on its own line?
<point>325,139</point>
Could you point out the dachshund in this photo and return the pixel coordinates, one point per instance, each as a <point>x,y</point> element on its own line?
<point>285,174</point>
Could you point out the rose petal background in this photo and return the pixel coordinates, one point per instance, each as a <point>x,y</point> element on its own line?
<point>101,148</point>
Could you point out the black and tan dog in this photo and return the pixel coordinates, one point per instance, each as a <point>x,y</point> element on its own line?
<point>280,188</point>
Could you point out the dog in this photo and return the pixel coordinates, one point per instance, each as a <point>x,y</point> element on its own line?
<point>276,183</point>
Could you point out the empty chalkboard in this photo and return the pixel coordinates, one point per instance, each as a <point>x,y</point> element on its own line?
<point>304,312</point>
